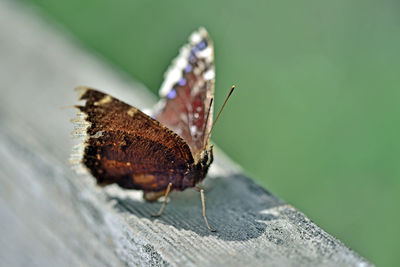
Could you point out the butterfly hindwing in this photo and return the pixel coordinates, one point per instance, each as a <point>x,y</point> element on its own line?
<point>125,146</point>
<point>187,91</point>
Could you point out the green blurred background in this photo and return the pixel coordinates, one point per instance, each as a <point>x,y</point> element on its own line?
<point>315,117</point>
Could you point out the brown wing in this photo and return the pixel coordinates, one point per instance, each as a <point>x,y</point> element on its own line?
<point>125,146</point>
<point>187,91</point>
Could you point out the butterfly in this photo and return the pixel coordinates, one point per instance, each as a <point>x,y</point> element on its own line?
<point>157,154</point>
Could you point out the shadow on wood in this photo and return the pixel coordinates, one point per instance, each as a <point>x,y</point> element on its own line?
<point>236,218</point>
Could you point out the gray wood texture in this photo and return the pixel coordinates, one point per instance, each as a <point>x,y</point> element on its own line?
<point>50,216</point>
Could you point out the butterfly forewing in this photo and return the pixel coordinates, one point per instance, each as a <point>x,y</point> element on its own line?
<point>187,91</point>
<point>125,146</point>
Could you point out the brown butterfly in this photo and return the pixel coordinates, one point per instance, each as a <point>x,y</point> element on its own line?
<point>125,146</point>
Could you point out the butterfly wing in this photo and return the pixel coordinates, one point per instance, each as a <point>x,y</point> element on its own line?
<point>125,146</point>
<point>187,91</point>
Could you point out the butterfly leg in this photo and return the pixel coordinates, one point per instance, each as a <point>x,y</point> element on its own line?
<point>164,203</point>
<point>203,204</point>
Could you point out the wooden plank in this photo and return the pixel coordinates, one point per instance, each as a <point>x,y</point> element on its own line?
<point>52,216</point>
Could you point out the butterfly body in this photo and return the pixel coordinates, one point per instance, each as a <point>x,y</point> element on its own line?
<point>125,146</point>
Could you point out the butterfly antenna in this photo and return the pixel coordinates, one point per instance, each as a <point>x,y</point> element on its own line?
<point>220,111</point>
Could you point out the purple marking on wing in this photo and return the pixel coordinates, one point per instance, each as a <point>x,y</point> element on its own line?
<point>182,82</point>
<point>195,50</point>
<point>201,45</point>
<point>188,68</point>
<point>171,94</point>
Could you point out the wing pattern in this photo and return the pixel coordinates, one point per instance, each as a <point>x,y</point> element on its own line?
<point>187,91</point>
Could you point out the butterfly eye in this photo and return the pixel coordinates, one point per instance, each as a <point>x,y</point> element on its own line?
<point>206,158</point>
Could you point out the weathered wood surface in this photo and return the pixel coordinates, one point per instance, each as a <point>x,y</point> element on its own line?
<point>50,216</point>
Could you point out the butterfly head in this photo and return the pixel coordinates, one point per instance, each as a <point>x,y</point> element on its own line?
<point>198,171</point>
<point>206,158</point>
